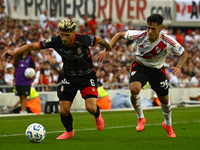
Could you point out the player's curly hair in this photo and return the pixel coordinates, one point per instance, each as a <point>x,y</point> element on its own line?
<point>67,25</point>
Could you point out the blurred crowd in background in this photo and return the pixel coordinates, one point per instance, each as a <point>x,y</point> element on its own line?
<point>113,73</point>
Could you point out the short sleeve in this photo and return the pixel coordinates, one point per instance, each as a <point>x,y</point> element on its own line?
<point>49,43</point>
<point>89,40</point>
<point>135,34</point>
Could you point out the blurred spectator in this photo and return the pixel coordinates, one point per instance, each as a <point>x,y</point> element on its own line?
<point>124,77</point>
<point>9,76</point>
<point>129,26</point>
<point>45,75</point>
<point>197,38</point>
<point>83,24</point>
<point>53,19</point>
<point>189,39</point>
<point>2,12</point>
<point>120,25</point>
<point>165,28</point>
<point>111,28</point>
<point>195,80</point>
<point>104,27</point>
<point>180,37</point>
<point>92,24</point>
<point>44,20</point>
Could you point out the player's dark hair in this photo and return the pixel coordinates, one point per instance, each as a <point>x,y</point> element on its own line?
<point>156,18</point>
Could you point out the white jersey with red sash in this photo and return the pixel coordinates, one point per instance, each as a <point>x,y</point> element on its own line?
<point>153,55</point>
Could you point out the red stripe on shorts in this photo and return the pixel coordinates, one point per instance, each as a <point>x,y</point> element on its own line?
<point>89,91</point>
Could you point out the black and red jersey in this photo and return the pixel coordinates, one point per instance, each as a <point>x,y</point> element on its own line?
<point>77,59</point>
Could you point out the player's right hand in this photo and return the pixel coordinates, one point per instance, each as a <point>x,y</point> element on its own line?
<point>7,53</point>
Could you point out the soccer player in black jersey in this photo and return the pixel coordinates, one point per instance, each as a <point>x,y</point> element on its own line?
<point>78,71</point>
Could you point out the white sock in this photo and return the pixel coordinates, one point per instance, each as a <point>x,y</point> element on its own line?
<point>23,112</point>
<point>166,109</point>
<point>137,105</point>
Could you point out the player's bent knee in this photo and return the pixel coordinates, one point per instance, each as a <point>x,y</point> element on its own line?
<point>64,112</point>
<point>92,109</point>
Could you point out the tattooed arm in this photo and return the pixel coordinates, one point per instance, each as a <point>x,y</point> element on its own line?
<point>103,43</point>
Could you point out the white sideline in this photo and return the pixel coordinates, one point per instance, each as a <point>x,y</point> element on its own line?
<point>116,127</point>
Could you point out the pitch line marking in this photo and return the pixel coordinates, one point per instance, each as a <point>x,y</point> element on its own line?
<point>116,127</point>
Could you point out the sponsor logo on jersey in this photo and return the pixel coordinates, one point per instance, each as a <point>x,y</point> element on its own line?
<point>79,51</point>
<point>64,81</point>
<point>132,73</point>
<point>48,40</point>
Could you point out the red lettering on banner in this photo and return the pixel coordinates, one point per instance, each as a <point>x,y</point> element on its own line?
<point>183,10</point>
<point>178,8</point>
<point>189,8</point>
<point>130,8</point>
<point>141,9</point>
<point>120,10</point>
<point>101,8</point>
<point>110,12</point>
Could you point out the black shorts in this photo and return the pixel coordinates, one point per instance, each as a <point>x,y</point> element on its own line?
<point>22,90</point>
<point>68,86</point>
<point>156,78</point>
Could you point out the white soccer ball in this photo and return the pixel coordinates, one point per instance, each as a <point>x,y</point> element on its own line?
<point>35,132</point>
<point>29,73</point>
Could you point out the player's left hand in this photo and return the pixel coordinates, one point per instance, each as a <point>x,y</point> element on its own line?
<point>102,55</point>
<point>176,70</point>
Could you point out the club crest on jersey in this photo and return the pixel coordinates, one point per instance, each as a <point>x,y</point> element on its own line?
<point>132,73</point>
<point>48,40</point>
<point>130,37</point>
<point>158,50</point>
<point>79,51</point>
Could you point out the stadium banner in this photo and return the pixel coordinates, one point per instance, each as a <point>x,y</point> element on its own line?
<point>135,10</point>
<point>188,10</point>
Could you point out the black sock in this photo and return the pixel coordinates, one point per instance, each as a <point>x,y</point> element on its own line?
<point>67,122</point>
<point>96,115</point>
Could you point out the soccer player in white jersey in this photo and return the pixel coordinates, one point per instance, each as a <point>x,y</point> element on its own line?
<point>152,47</point>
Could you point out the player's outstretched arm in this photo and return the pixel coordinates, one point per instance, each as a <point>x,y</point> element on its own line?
<point>105,53</point>
<point>117,37</point>
<point>177,69</point>
<point>25,48</point>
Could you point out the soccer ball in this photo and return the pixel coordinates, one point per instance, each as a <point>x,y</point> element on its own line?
<point>29,73</point>
<point>35,132</point>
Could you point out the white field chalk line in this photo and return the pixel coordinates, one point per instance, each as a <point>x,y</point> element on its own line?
<point>116,127</point>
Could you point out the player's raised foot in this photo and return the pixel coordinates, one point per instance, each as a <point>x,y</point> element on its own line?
<point>169,129</point>
<point>66,135</point>
<point>140,124</point>
<point>99,122</point>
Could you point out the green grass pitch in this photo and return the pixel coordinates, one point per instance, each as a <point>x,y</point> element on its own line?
<point>119,132</point>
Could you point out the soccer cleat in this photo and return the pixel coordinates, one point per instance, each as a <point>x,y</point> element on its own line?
<point>99,122</point>
<point>169,129</point>
<point>66,135</point>
<point>140,124</point>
